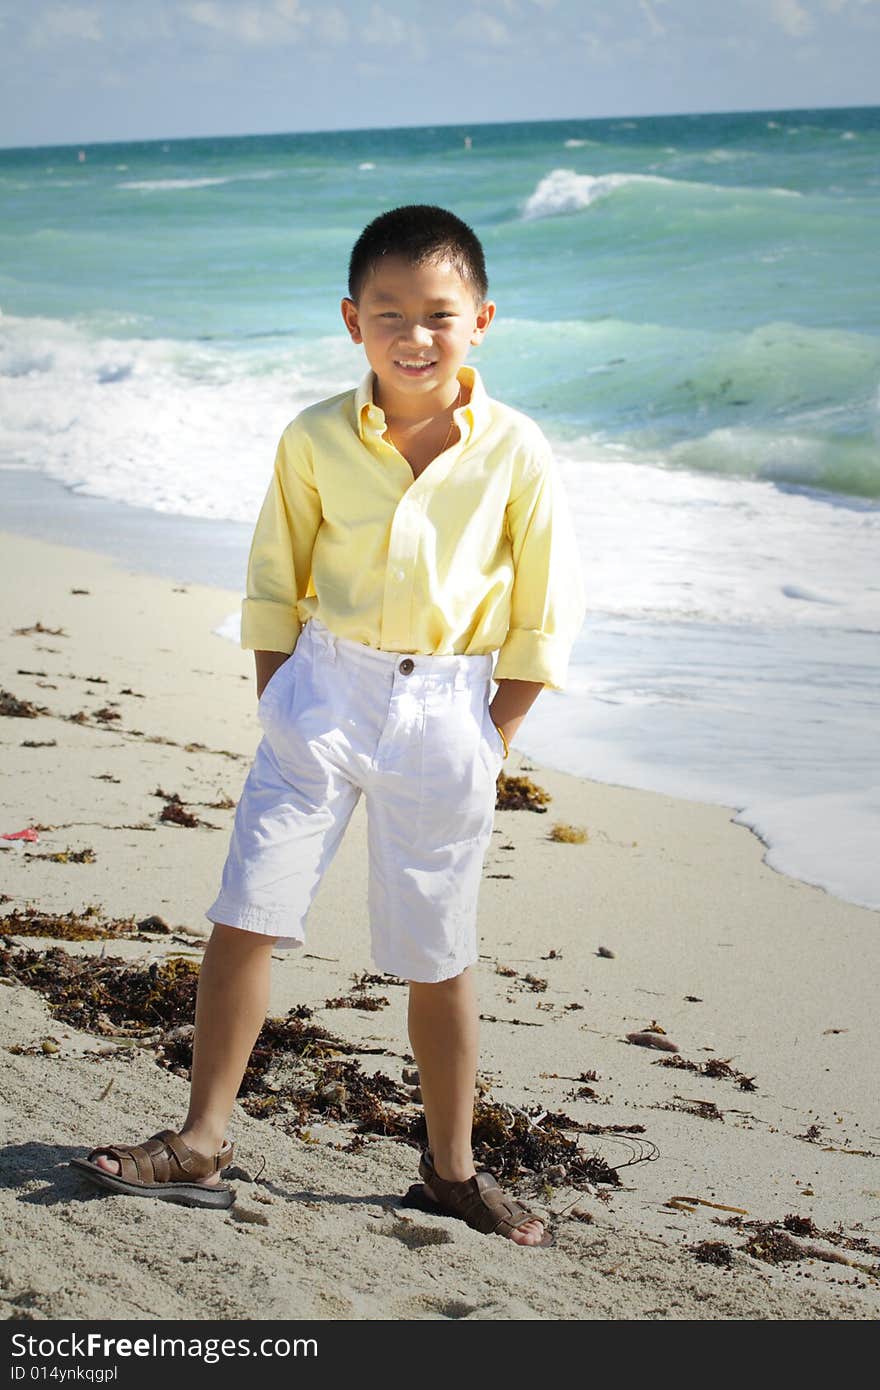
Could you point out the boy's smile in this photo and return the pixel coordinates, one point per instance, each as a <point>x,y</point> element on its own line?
<point>416,323</point>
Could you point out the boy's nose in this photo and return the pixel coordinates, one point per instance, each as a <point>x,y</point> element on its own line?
<point>418,336</point>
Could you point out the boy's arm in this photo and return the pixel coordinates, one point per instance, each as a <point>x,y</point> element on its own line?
<point>280,559</point>
<point>548,602</point>
<point>267,664</point>
<point>512,702</point>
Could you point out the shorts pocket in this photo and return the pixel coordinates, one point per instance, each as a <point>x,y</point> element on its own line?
<point>277,693</point>
<point>492,740</point>
<point>274,682</point>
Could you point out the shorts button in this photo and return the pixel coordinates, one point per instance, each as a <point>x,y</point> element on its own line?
<point>406,665</point>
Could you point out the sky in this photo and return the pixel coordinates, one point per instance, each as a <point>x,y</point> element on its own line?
<point>100,70</point>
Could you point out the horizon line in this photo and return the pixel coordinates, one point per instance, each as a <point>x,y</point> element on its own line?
<point>456,125</point>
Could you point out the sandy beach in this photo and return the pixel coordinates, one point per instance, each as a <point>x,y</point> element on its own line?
<point>120,702</point>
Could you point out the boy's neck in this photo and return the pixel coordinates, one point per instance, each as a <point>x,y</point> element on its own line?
<point>408,410</point>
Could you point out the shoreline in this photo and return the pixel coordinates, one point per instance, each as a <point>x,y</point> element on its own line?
<point>204,552</point>
<point>734,960</point>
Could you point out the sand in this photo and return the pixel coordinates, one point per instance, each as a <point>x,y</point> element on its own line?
<point>732,959</point>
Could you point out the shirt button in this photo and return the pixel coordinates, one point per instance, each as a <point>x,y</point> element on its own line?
<point>406,665</point>
<point>401,574</point>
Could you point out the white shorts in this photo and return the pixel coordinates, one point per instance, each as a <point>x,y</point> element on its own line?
<point>415,735</point>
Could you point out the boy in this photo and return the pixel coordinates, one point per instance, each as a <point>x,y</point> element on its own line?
<point>412,527</point>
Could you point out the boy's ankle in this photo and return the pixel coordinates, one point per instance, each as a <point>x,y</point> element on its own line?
<point>452,1165</point>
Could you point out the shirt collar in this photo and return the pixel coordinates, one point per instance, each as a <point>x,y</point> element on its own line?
<point>471,418</point>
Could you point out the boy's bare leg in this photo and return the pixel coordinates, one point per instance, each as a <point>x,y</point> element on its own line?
<point>231,1005</point>
<point>443,1031</point>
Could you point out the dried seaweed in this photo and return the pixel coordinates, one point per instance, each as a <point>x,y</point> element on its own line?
<point>773,1246</point>
<point>99,995</point>
<point>519,793</point>
<point>38,628</point>
<point>39,743</point>
<point>68,856</point>
<point>297,1071</point>
<point>714,1067</point>
<point>568,834</point>
<point>368,1003</point>
<point>13,708</point>
<point>713,1252</point>
<point>705,1109</point>
<point>68,926</point>
<point>535,983</point>
<point>364,979</point>
<point>174,813</point>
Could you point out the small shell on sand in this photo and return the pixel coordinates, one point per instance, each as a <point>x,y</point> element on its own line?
<point>657,1040</point>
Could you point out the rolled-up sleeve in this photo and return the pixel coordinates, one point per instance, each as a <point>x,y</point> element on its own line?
<point>548,599</point>
<point>280,559</point>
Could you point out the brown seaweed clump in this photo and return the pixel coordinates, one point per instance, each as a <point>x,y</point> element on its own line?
<point>773,1246</point>
<point>66,926</point>
<point>519,793</point>
<point>38,629</point>
<point>568,834</point>
<point>107,995</point>
<point>174,813</point>
<point>715,1067</point>
<point>714,1252</point>
<point>799,1225</point>
<point>512,1144</point>
<point>369,1003</point>
<point>13,708</point>
<point>298,1071</point>
<point>68,856</point>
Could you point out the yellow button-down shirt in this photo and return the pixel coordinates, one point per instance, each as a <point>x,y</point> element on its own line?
<point>477,554</point>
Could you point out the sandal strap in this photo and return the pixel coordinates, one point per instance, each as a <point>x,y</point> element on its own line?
<point>162,1158</point>
<point>479,1201</point>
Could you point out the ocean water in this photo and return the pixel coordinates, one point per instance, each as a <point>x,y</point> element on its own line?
<point>686,304</point>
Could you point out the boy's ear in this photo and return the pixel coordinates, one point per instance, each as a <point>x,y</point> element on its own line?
<point>485,315</point>
<point>350,315</point>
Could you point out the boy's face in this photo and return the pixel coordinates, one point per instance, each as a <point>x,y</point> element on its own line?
<point>416,323</point>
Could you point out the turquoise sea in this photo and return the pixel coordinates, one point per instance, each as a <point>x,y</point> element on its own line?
<point>688,306</point>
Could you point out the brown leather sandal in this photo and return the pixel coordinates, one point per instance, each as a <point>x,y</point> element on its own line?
<point>478,1201</point>
<point>165,1167</point>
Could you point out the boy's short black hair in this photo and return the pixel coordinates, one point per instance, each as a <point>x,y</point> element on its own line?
<point>419,232</point>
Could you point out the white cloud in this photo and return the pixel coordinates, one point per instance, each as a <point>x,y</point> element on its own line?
<point>791,16</point>
<point>385,29</point>
<point>80,23</point>
<point>332,25</point>
<point>648,11</point>
<point>273,21</point>
<point>478,27</point>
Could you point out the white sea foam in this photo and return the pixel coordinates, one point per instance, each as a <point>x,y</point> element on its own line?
<point>566,191</point>
<point>173,185</point>
<point>367,164</point>
<point>165,185</point>
<point>188,428</point>
<point>729,651</point>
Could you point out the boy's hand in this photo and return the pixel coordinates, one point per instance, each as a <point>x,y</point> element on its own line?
<point>267,665</point>
<point>512,702</point>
